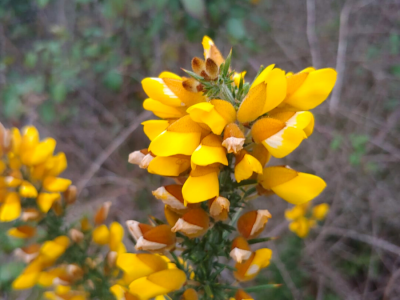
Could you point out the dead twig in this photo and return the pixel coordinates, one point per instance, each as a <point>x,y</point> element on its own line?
<point>312,35</point>
<point>110,149</point>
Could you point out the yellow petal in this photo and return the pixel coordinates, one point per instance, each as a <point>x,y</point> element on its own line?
<point>276,175</point>
<point>25,280</point>
<point>27,190</point>
<point>56,184</point>
<point>56,164</point>
<point>30,138</point>
<point>157,89</point>
<point>153,128</point>
<point>39,153</point>
<point>246,166</point>
<point>216,114</point>
<point>207,155</point>
<point>156,283</point>
<point>301,227</point>
<point>201,188</point>
<point>167,74</point>
<point>314,90</point>
<point>162,110</point>
<point>101,235</point>
<point>52,250</point>
<point>296,212</point>
<point>252,106</point>
<point>211,51</point>
<point>262,76</point>
<point>16,140</point>
<point>11,208</point>
<point>122,293</point>
<point>139,265</point>
<point>170,165</point>
<point>188,98</point>
<point>302,188</point>
<point>284,142</point>
<point>238,76</point>
<point>116,236</point>
<point>320,211</point>
<point>22,232</point>
<point>46,200</point>
<point>276,89</point>
<point>171,143</point>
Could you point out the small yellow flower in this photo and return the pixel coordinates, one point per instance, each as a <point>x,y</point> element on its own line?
<point>292,186</point>
<point>249,269</point>
<point>246,165</point>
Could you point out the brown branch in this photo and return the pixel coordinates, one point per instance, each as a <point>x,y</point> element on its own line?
<point>312,35</point>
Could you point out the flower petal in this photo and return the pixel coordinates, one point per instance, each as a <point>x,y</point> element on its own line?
<point>169,166</point>
<point>153,128</point>
<point>162,110</point>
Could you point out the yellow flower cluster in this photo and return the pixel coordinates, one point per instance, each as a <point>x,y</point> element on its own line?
<point>196,133</point>
<point>29,175</point>
<point>302,218</point>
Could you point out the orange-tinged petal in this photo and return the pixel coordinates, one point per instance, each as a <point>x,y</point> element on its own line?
<point>167,74</point>
<point>245,166</point>
<point>314,90</point>
<point>211,51</point>
<point>169,166</point>
<point>22,232</point>
<point>252,106</point>
<point>162,110</point>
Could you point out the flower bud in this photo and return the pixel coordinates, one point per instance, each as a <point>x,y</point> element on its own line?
<point>111,259</point>
<point>28,253</point>
<point>157,239</point>
<point>102,213</point>
<point>240,250</point>
<point>22,232</point>
<point>242,295</point>
<point>137,229</point>
<point>76,235</point>
<point>252,223</point>
<point>219,208</point>
<point>171,216</point>
<point>233,138</point>
<point>171,195</point>
<point>101,235</point>
<point>250,268</point>
<point>75,272</point>
<point>70,194</point>
<point>30,214</point>
<point>192,85</point>
<point>190,294</point>
<point>5,139</point>
<point>142,158</point>
<point>193,224</point>
<point>159,283</point>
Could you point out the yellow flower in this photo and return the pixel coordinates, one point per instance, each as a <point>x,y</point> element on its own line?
<point>211,51</point>
<point>56,184</point>
<point>237,77</point>
<point>46,200</point>
<point>292,186</point>
<point>216,114</point>
<point>202,184</point>
<point>190,294</point>
<point>139,265</point>
<point>252,223</point>
<point>320,211</point>
<point>297,211</point>
<point>233,138</point>
<point>168,90</point>
<point>181,137</point>
<point>245,166</point>
<point>101,235</point>
<point>27,254</point>
<point>173,165</point>
<point>301,226</point>
<point>10,209</point>
<point>156,239</point>
<point>193,224</point>
<point>249,269</point>
<point>210,151</point>
<point>152,128</point>
<point>266,93</point>
<point>309,88</point>
<point>22,232</point>
<point>29,276</point>
<point>156,283</point>
<point>121,293</point>
<point>51,250</point>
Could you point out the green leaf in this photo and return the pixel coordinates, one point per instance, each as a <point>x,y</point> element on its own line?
<point>31,59</point>
<point>336,142</point>
<point>113,80</point>
<point>236,28</point>
<point>358,141</point>
<point>59,92</point>
<point>395,70</point>
<point>195,8</point>
<point>394,43</point>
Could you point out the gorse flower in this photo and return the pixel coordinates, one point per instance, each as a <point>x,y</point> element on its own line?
<point>217,133</point>
<point>215,136</point>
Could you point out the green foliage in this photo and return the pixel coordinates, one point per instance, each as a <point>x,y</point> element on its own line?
<point>358,143</point>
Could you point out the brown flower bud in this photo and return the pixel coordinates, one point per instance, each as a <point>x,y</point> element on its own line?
<point>190,294</point>
<point>70,194</point>
<point>30,214</point>
<point>76,235</point>
<point>242,295</point>
<point>157,239</point>
<point>102,213</point>
<point>28,253</point>
<point>171,195</point>
<point>137,229</point>
<point>233,138</point>
<point>193,224</point>
<point>219,208</point>
<point>142,158</point>
<point>252,223</point>
<point>240,250</point>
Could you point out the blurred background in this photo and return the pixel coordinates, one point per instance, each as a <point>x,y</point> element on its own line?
<point>73,69</point>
